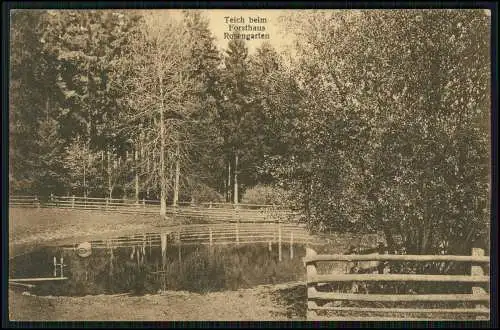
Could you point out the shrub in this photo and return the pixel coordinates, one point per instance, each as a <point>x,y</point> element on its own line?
<point>264,194</point>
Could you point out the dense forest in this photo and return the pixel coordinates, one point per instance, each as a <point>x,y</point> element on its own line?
<point>379,122</point>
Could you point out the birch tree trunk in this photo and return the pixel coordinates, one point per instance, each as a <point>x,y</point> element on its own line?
<point>136,169</point>
<point>110,181</point>
<point>235,179</point>
<point>163,176</point>
<point>177,174</point>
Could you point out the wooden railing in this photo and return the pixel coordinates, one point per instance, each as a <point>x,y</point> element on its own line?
<point>24,201</point>
<point>322,299</point>
<point>210,212</point>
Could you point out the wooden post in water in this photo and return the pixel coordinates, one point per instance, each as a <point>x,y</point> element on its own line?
<point>62,267</point>
<point>180,254</point>
<point>237,235</point>
<point>55,266</point>
<point>163,242</point>
<point>477,270</point>
<point>270,246</point>
<point>210,237</point>
<point>279,242</point>
<point>310,271</point>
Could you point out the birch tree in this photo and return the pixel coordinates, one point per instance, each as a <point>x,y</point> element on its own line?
<point>159,94</point>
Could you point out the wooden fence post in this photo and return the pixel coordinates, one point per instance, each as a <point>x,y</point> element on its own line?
<point>310,271</point>
<point>210,237</point>
<point>107,203</point>
<point>144,203</point>
<point>291,244</point>
<point>73,202</point>
<point>477,270</point>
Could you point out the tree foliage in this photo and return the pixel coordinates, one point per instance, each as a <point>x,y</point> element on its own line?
<point>380,122</point>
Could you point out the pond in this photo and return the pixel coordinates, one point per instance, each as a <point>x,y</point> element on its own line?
<point>143,268</point>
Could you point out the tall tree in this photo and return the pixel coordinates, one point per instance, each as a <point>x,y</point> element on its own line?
<point>159,93</point>
<point>33,97</point>
<point>236,109</point>
<point>199,148</point>
<point>381,147</point>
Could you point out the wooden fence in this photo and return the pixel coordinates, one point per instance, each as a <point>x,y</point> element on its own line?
<point>321,298</point>
<point>24,201</point>
<point>209,212</point>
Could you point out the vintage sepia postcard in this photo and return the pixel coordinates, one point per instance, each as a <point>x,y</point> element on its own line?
<point>249,164</point>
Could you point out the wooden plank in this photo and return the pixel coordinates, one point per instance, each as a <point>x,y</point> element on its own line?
<point>393,257</point>
<point>314,294</point>
<point>397,277</point>
<point>373,318</point>
<point>404,310</point>
<point>477,271</point>
<point>22,284</point>
<point>102,246</point>
<point>311,310</point>
<point>37,279</point>
<point>310,267</point>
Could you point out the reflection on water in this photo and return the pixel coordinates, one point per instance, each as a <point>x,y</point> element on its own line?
<point>144,268</point>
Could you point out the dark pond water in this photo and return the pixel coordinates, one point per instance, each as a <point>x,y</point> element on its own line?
<point>145,269</point>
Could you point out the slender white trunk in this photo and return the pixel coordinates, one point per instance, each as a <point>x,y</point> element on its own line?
<point>136,158</point>
<point>163,176</point>
<point>110,182</point>
<point>84,181</point>
<point>228,189</point>
<point>236,179</point>
<point>177,174</point>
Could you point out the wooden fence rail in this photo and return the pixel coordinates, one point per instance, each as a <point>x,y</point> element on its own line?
<point>24,201</point>
<point>320,301</point>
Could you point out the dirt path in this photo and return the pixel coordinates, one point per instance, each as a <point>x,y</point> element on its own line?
<point>256,304</point>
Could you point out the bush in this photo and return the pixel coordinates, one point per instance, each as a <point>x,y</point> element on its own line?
<point>264,194</point>
<point>204,193</point>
